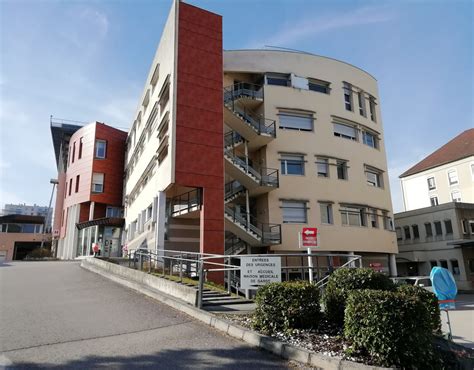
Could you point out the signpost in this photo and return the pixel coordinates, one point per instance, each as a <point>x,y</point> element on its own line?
<point>258,271</point>
<point>309,238</point>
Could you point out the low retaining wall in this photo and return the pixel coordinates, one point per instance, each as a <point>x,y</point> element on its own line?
<point>185,293</point>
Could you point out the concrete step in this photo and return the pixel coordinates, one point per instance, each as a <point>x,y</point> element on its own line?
<point>229,301</point>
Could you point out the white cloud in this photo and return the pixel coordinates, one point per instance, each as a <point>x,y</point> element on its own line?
<point>296,30</point>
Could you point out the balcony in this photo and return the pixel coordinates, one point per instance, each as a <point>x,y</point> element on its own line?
<point>255,128</point>
<point>248,229</point>
<point>186,205</point>
<point>257,180</point>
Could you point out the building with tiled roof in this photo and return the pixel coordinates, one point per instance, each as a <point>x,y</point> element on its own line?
<point>446,175</point>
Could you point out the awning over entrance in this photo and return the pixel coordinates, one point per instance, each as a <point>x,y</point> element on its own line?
<point>105,221</point>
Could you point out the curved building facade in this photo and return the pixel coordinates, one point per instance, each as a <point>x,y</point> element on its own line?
<point>324,135</point>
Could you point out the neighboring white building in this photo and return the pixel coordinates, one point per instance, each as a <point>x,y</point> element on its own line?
<point>446,175</point>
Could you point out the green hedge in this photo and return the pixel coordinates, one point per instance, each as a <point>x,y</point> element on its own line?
<point>342,282</point>
<point>393,328</point>
<point>286,306</point>
<point>429,299</point>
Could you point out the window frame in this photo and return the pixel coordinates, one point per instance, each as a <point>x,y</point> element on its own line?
<point>298,115</point>
<point>98,143</point>
<point>434,201</point>
<point>457,199</point>
<point>451,182</point>
<point>378,183</point>
<point>348,210</point>
<point>433,185</point>
<point>342,164</point>
<point>365,134</point>
<point>342,135</point>
<point>278,77</point>
<point>284,164</point>
<point>415,231</point>
<point>348,96</point>
<point>325,208</point>
<point>321,164</point>
<point>285,204</point>
<point>438,231</point>
<point>93,184</point>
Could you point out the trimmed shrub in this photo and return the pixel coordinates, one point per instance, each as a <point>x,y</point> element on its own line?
<point>342,282</point>
<point>429,300</point>
<point>393,328</point>
<point>286,306</point>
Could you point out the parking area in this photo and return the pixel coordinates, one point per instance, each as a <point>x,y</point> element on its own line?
<point>462,320</point>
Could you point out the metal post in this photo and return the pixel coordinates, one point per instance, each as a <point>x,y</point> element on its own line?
<point>246,147</point>
<point>141,262</point>
<point>45,222</point>
<point>201,283</point>
<point>310,265</point>
<point>149,262</point>
<point>171,267</point>
<point>180,268</point>
<point>450,335</point>
<point>229,290</point>
<point>247,208</point>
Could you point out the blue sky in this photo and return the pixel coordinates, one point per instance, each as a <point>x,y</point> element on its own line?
<point>87,60</point>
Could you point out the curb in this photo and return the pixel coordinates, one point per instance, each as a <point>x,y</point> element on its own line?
<point>253,338</point>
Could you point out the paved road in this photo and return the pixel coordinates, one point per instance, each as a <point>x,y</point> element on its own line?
<point>56,315</point>
<point>462,320</point>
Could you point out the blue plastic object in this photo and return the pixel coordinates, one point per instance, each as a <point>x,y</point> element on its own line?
<point>444,286</point>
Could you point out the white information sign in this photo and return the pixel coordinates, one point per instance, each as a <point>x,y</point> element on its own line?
<point>258,271</point>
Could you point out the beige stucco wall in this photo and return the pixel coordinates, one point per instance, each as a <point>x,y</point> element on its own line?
<point>7,241</point>
<point>321,141</point>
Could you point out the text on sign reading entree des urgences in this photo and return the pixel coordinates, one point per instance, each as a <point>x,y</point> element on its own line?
<point>261,273</point>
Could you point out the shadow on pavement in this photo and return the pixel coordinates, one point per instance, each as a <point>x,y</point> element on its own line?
<point>237,358</point>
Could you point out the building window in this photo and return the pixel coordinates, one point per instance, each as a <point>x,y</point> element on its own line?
<point>373,218</point>
<point>438,228</point>
<point>326,213</point>
<point>453,177</point>
<point>70,186</point>
<point>322,165</point>
<point>443,264</point>
<point>65,190</point>
<point>164,96</point>
<point>149,212</point>
<point>456,196</point>
<point>100,148</point>
<point>416,232</point>
<point>360,96</point>
<point>296,121</point>
<point>77,183</point>
<point>278,79</point>
<point>431,183</point>
<point>372,108</point>
<point>370,139</point>
<point>73,152</point>
<point>433,264</point>
<point>113,212</point>
<point>465,226</point>
<point>97,182</point>
<point>341,170</point>
<point>428,229</point>
<point>80,148</point>
<point>374,177</point>
<point>294,212</point>
<point>448,226</point>
<point>387,221</point>
<point>292,164</point>
<point>345,131</point>
<point>434,201</point>
<point>406,232</point>
<point>471,226</point>
<point>353,216</point>
<point>318,85</point>
<point>398,231</point>
<point>455,267</point>
<point>470,264</point>
<point>347,96</point>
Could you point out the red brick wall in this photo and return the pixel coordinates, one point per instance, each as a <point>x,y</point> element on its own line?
<point>199,129</point>
<point>112,166</point>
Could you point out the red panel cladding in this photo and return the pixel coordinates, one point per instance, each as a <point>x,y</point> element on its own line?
<point>99,210</point>
<point>112,166</point>
<point>84,212</point>
<point>82,169</point>
<point>199,130</point>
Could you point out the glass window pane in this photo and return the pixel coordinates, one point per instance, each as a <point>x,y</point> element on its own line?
<point>298,122</point>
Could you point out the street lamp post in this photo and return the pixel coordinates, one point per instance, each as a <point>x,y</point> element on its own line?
<point>45,222</point>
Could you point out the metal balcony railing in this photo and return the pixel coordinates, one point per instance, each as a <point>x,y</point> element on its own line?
<point>185,203</point>
<point>234,246</point>
<point>233,189</point>
<point>259,123</point>
<point>266,233</point>
<point>263,175</point>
